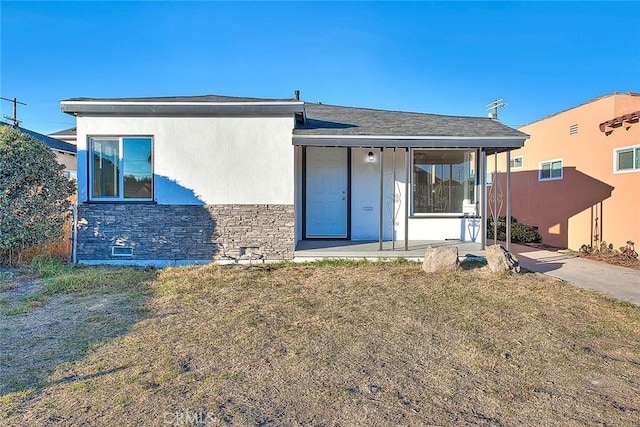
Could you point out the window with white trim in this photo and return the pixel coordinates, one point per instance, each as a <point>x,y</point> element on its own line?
<point>443,181</point>
<point>627,159</point>
<point>550,170</point>
<point>121,168</point>
<point>516,162</point>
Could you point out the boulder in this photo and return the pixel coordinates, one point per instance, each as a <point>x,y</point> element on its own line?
<point>499,260</point>
<point>441,258</point>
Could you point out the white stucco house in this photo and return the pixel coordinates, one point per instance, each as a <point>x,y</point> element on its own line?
<point>201,178</point>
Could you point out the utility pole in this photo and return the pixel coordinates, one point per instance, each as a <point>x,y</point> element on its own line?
<point>492,108</point>
<point>15,102</point>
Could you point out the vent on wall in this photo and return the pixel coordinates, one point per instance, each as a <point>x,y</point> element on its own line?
<point>121,251</point>
<point>573,129</point>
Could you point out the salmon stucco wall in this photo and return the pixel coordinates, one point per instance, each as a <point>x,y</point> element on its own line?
<point>591,202</point>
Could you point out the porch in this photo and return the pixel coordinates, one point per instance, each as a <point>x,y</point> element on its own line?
<point>309,250</point>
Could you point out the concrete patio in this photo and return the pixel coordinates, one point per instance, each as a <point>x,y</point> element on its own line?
<point>309,250</point>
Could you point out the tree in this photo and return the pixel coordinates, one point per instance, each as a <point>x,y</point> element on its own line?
<point>34,194</point>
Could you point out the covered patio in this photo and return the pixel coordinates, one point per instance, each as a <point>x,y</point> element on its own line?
<point>309,250</point>
<point>382,184</point>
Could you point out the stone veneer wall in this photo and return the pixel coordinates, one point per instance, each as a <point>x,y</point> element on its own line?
<point>185,232</point>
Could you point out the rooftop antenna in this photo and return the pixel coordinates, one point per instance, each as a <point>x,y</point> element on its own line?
<point>492,108</point>
<point>15,102</point>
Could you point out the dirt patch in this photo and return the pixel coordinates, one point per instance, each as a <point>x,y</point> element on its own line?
<point>57,330</point>
<point>614,259</point>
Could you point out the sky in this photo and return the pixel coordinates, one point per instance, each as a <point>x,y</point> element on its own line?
<point>433,57</point>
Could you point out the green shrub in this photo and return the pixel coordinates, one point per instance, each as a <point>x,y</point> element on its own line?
<point>34,194</point>
<point>520,233</point>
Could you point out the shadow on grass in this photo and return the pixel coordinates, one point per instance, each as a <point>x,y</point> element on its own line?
<point>85,307</point>
<point>472,262</point>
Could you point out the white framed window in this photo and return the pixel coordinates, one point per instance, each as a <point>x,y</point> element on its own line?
<point>121,168</point>
<point>550,170</point>
<point>516,162</point>
<point>626,159</point>
<point>70,174</point>
<point>443,181</point>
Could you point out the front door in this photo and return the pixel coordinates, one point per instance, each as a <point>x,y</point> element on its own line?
<point>326,192</point>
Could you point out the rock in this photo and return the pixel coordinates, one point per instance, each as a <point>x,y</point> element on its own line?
<point>441,258</point>
<point>499,260</point>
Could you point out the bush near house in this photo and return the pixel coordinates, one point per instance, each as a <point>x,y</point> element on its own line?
<point>34,195</point>
<point>520,233</point>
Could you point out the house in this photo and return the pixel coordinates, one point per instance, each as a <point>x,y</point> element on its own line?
<point>577,179</point>
<point>66,135</point>
<point>65,152</point>
<point>193,179</point>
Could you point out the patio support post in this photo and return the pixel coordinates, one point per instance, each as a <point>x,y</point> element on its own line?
<point>494,177</point>
<point>483,197</point>
<point>393,209</point>
<point>508,219</point>
<point>380,236</point>
<point>407,163</point>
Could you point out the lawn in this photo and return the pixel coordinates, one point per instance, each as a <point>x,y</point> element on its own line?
<point>332,343</point>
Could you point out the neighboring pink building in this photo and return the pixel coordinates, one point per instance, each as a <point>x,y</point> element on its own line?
<point>578,176</point>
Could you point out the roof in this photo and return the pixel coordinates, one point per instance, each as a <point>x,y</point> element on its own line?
<point>597,98</point>
<point>53,143</point>
<point>181,106</point>
<point>182,99</point>
<point>323,124</point>
<point>350,126</point>
<point>335,120</point>
<point>65,132</point>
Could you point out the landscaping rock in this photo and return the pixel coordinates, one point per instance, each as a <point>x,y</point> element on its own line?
<point>441,258</point>
<point>500,260</point>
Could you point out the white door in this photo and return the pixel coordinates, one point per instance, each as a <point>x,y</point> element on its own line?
<point>326,192</point>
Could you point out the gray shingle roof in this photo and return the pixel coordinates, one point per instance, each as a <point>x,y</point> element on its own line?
<point>65,132</point>
<point>54,144</point>
<point>335,120</point>
<point>199,98</point>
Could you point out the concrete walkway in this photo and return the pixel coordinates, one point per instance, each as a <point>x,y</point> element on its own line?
<point>619,282</point>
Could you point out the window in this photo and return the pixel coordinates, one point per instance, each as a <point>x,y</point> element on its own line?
<point>516,162</point>
<point>627,159</point>
<point>70,174</point>
<point>550,170</point>
<point>443,181</point>
<point>121,168</point>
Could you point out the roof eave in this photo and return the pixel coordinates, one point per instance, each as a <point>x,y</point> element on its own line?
<point>409,141</point>
<point>179,108</point>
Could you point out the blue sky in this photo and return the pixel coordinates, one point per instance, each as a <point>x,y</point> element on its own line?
<point>442,57</point>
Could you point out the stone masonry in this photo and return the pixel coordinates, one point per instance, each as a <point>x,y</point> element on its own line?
<point>185,232</point>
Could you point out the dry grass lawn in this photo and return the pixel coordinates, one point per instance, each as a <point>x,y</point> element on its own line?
<point>337,344</point>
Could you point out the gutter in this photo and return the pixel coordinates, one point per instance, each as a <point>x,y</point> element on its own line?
<point>180,108</point>
<point>408,141</point>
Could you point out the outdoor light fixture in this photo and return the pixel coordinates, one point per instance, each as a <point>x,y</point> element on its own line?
<point>371,157</point>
